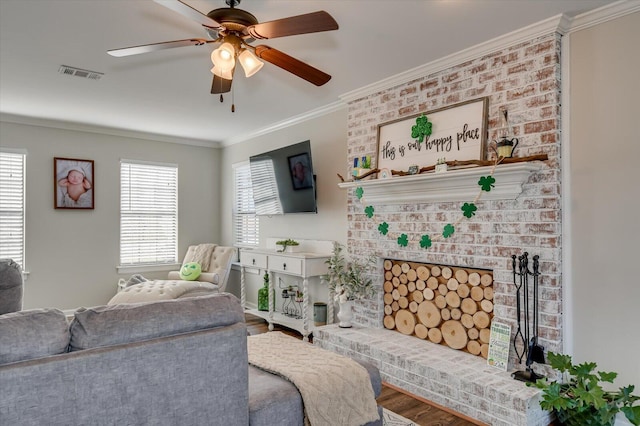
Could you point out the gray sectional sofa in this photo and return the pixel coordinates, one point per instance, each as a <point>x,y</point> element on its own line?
<point>173,362</point>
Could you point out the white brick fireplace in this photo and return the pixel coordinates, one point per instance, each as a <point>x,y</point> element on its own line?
<point>522,77</point>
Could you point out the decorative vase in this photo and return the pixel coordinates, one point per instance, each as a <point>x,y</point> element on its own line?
<point>345,315</point>
<point>263,295</point>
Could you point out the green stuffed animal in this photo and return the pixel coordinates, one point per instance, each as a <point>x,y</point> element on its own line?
<point>190,271</point>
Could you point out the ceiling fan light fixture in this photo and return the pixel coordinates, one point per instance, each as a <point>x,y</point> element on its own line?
<point>223,57</point>
<point>250,63</point>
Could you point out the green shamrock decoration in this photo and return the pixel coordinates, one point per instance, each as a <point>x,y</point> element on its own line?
<point>448,231</point>
<point>359,192</point>
<point>422,128</point>
<point>469,210</point>
<point>403,240</point>
<point>487,182</point>
<point>383,228</point>
<point>425,242</point>
<point>369,211</point>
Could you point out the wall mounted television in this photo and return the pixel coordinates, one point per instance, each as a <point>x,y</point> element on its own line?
<point>283,180</point>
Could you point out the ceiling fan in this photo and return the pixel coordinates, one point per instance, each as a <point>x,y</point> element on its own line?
<point>235,29</point>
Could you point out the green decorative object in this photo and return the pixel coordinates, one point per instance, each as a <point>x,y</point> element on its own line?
<point>369,211</point>
<point>579,398</point>
<point>285,243</point>
<point>190,271</point>
<point>263,294</point>
<point>487,182</point>
<point>469,210</point>
<point>421,129</point>
<point>425,242</point>
<point>448,231</point>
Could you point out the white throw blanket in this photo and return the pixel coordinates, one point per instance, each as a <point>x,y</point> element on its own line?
<point>336,390</point>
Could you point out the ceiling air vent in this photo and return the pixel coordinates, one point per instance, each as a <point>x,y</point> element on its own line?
<point>78,72</point>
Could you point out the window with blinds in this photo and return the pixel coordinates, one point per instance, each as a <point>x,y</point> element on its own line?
<point>148,213</point>
<point>12,179</point>
<point>245,222</point>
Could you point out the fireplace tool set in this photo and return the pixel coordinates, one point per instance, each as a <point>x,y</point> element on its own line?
<point>529,345</point>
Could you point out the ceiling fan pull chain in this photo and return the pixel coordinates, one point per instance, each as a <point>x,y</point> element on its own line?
<point>221,98</point>
<point>233,100</point>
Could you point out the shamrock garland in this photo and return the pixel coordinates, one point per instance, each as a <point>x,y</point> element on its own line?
<point>423,128</point>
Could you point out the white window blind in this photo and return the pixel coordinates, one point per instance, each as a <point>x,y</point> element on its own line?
<point>246,224</point>
<point>148,214</point>
<point>12,178</point>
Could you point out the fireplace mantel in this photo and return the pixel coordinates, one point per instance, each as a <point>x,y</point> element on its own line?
<point>453,185</point>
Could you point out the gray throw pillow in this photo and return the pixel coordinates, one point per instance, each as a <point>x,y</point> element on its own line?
<point>132,322</point>
<point>33,333</point>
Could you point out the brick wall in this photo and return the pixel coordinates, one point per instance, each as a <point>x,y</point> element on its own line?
<point>524,79</point>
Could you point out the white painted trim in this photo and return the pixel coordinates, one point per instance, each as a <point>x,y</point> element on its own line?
<point>559,23</point>
<point>565,194</point>
<point>604,14</point>
<point>548,26</point>
<point>103,130</point>
<point>148,268</point>
<point>148,163</point>
<point>454,185</point>
<point>14,150</point>
<point>291,121</point>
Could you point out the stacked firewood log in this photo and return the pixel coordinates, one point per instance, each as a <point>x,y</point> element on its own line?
<point>448,305</point>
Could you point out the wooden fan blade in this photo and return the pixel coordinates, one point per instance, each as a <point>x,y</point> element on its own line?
<point>220,85</point>
<point>302,24</point>
<point>293,65</point>
<point>185,10</point>
<point>146,48</point>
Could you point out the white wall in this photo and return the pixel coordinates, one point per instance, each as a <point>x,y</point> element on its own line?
<point>71,254</point>
<point>605,229</point>
<point>328,136</point>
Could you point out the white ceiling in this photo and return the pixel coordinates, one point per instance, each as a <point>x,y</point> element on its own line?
<point>166,93</point>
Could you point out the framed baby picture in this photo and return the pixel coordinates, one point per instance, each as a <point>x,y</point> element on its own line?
<point>73,183</point>
<point>300,170</point>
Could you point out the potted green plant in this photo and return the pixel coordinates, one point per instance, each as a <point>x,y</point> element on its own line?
<point>579,399</point>
<point>347,281</point>
<point>286,243</point>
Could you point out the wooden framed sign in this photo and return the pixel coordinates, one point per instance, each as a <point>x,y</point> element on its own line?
<point>458,132</point>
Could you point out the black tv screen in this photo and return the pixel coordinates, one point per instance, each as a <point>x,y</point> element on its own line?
<point>283,180</point>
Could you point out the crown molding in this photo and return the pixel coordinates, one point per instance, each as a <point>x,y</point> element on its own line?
<point>548,26</point>
<point>604,14</point>
<point>557,24</point>
<point>291,121</point>
<point>103,130</point>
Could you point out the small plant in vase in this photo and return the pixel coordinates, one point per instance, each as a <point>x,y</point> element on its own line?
<point>286,243</point>
<point>347,281</point>
<point>579,398</point>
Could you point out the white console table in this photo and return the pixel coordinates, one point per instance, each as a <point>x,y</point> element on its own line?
<point>307,262</point>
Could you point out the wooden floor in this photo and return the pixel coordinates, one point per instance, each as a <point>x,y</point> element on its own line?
<point>414,409</point>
